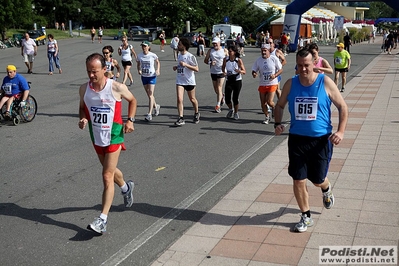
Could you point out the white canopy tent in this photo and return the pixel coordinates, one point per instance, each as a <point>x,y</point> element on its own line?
<point>280,20</point>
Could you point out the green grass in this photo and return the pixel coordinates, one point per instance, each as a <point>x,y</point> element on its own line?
<point>59,35</point>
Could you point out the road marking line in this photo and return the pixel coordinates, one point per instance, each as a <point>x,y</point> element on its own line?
<point>151,231</point>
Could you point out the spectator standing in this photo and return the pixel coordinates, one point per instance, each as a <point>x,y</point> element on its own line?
<point>300,43</point>
<point>241,43</point>
<point>233,68</point>
<point>63,26</point>
<point>148,67</point>
<point>342,64</point>
<point>126,50</point>
<point>347,42</point>
<point>390,42</point>
<point>201,45</point>
<point>173,44</point>
<point>310,142</point>
<point>269,68</point>
<point>53,54</point>
<point>107,131</point>
<point>28,51</point>
<point>384,46</point>
<point>214,57</point>
<point>284,43</point>
<point>185,80</point>
<point>222,39</point>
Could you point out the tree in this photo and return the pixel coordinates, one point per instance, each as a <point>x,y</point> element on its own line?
<point>15,14</point>
<point>380,10</point>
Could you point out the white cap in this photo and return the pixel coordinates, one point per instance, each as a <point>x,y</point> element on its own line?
<point>265,46</point>
<point>215,39</point>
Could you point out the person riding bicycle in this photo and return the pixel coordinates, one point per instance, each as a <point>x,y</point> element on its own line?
<point>14,86</point>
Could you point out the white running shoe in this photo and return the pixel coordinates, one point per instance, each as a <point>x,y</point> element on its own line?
<point>156,110</point>
<point>148,117</point>
<point>266,121</point>
<point>128,195</point>
<point>98,226</point>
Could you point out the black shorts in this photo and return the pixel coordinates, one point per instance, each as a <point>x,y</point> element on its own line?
<point>341,69</point>
<point>241,45</point>
<point>309,157</point>
<point>126,63</point>
<point>187,87</point>
<point>215,77</point>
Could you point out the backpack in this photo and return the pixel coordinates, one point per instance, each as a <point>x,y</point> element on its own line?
<point>173,44</point>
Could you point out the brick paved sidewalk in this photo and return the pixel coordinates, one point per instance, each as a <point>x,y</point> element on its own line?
<point>252,225</point>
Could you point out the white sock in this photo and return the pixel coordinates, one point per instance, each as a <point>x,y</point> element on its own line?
<point>104,217</point>
<point>124,188</point>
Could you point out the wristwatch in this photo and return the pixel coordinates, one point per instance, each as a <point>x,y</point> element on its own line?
<point>131,119</point>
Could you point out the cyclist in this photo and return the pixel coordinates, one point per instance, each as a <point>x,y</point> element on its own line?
<point>14,86</point>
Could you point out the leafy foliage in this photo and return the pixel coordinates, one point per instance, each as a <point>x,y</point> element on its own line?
<point>380,10</point>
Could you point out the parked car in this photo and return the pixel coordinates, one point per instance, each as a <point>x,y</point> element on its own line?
<point>192,36</point>
<point>38,36</point>
<point>136,30</point>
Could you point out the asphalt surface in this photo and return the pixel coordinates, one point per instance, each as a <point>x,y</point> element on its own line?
<point>51,178</point>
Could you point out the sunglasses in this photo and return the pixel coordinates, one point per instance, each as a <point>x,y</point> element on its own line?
<point>105,52</point>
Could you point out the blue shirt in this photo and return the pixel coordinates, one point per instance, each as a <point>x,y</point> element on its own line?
<point>310,108</point>
<point>15,85</point>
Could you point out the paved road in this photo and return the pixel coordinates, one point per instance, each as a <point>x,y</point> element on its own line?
<point>51,178</point>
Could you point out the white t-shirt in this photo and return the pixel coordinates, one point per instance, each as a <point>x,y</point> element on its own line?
<point>147,64</point>
<point>51,46</point>
<point>28,46</point>
<point>184,75</point>
<point>300,41</point>
<point>217,56</point>
<point>267,67</point>
<point>126,53</point>
<point>222,37</point>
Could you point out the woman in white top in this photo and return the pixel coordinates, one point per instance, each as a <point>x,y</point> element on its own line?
<point>52,54</point>
<point>126,50</point>
<point>233,68</point>
<point>148,67</point>
<point>100,34</point>
<point>214,57</point>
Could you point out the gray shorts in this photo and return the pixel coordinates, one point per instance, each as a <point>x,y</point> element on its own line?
<point>29,58</point>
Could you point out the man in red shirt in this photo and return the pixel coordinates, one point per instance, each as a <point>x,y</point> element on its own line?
<point>284,42</point>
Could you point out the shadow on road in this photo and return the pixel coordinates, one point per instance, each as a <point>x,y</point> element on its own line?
<point>215,218</point>
<point>41,216</point>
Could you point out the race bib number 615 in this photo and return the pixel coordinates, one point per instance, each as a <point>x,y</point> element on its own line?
<point>306,108</point>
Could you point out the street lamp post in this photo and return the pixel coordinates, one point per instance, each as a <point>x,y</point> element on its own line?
<point>33,11</point>
<point>55,22</point>
<point>79,20</point>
